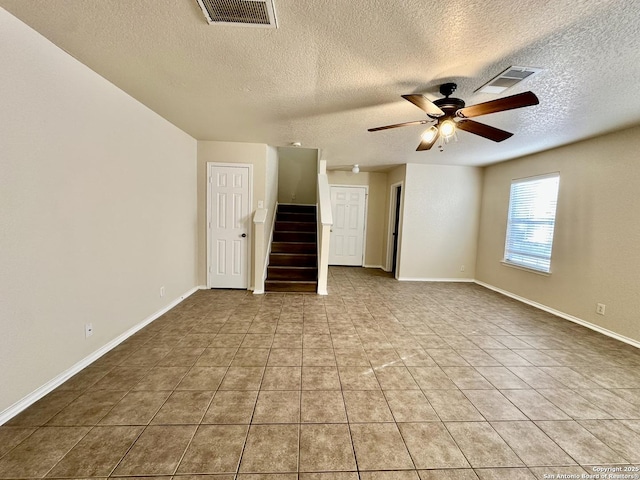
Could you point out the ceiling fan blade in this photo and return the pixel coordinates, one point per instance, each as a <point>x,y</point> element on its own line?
<point>520,100</point>
<point>386,127</point>
<point>424,104</point>
<point>486,131</point>
<point>424,145</point>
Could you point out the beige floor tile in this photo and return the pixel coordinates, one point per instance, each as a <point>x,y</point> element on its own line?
<point>136,408</point>
<point>287,340</point>
<point>242,378</point>
<point>502,378</point>
<point>351,357</point>
<point>578,442</point>
<point>36,455</point>
<point>536,377</point>
<point>121,378</point>
<point>610,403</point>
<point>162,378</point>
<point>410,406</point>
<point>285,357</point>
<point>358,378</point>
<point>282,378</point>
<point>250,357</point>
<point>482,446</point>
<point>322,407</point>
<point>202,378</point>
<point>616,435</point>
<point>98,453</point>
<point>88,409</point>
<point>395,378</point>
<point>277,406</point>
<point>12,436</point>
<point>478,358</point>
<point>534,405</point>
<point>318,357</point>
<point>442,451</point>
<point>320,378</point>
<point>450,474</point>
<point>493,405</point>
<point>379,446</point>
<point>508,358</point>
<point>260,476</point>
<point>446,357</point>
<point>367,406</point>
<point>157,451</point>
<point>432,378</point>
<point>326,447</point>
<point>271,449</point>
<point>452,406</point>
<point>467,378</point>
<point>545,473</point>
<point>214,449</point>
<point>532,445</point>
<point>216,357</point>
<point>397,475</point>
<point>44,409</point>
<point>183,408</point>
<point>573,405</point>
<point>504,474</point>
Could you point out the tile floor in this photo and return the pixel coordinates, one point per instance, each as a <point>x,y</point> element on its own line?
<point>379,380</point>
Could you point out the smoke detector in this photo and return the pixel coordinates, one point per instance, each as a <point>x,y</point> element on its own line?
<point>507,79</point>
<point>245,13</point>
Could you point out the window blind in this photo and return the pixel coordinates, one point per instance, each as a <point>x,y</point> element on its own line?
<point>532,215</point>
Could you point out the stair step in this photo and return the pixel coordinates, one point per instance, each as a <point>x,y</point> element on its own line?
<point>295,227</point>
<point>294,247</point>
<point>293,259</point>
<point>277,272</point>
<point>287,207</point>
<point>296,217</point>
<point>308,237</point>
<point>289,286</point>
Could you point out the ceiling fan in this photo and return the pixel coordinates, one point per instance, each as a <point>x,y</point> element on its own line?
<point>449,114</point>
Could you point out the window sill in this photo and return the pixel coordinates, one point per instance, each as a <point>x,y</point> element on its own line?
<point>526,269</point>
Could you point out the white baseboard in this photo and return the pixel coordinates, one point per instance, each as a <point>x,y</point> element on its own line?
<point>373,266</point>
<point>409,279</point>
<point>54,383</point>
<point>566,316</point>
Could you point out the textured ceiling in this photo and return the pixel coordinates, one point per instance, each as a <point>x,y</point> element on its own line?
<point>334,68</point>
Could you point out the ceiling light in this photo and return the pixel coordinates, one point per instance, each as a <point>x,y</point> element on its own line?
<point>447,128</point>
<point>429,134</point>
<point>356,168</point>
<point>296,144</point>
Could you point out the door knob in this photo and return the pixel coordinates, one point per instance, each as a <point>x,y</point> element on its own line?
<point>243,235</point>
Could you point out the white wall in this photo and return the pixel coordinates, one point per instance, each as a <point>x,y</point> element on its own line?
<point>97,211</point>
<point>297,178</point>
<point>440,222</point>
<point>596,250</point>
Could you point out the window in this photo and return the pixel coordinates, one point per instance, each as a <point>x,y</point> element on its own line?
<point>532,215</point>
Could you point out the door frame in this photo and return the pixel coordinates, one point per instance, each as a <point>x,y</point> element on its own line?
<point>393,206</point>
<point>366,212</point>
<point>210,166</point>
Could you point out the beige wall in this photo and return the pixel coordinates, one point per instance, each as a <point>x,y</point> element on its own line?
<point>97,211</point>
<point>297,178</point>
<point>265,165</point>
<point>596,250</point>
<point>440,222</point>
<point>376,210</point>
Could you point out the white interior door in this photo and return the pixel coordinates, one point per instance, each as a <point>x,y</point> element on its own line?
<point>348,205</point>
<point>228,226</point>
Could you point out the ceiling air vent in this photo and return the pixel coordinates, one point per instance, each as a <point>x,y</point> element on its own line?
<point>507,79</point>
<point>247,13</point>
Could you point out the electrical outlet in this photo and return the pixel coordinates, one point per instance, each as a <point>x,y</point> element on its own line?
<point>88,330</point>
<point>162,291</point>
<point>462,268</point>
<point>600,308</point>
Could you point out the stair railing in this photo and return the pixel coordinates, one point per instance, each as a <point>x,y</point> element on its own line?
<point>325,222</point>
<point>260,250</point>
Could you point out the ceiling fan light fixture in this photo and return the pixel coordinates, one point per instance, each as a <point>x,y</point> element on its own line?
<point>429,134</point>
<point>356,168</point>
<point>447,129</point>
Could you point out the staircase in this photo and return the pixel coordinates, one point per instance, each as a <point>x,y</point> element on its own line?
<point>293,262</point>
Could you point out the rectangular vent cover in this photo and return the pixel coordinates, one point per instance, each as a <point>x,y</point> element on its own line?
<point>507,79</point>
<point>247,13</point>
